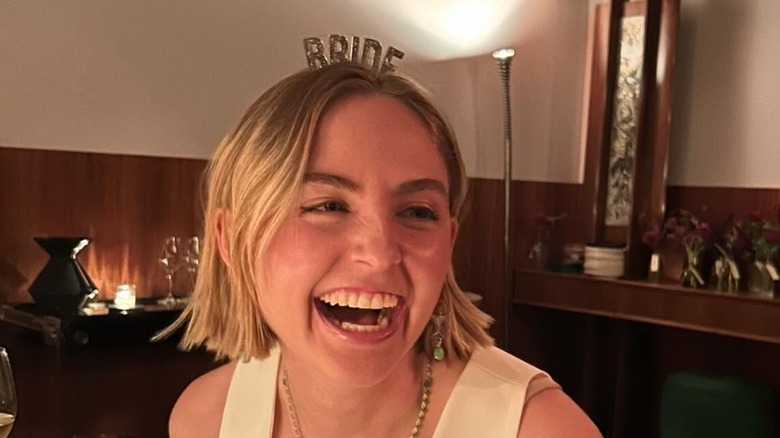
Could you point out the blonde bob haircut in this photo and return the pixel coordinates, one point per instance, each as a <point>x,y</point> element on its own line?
<point>255,176</point>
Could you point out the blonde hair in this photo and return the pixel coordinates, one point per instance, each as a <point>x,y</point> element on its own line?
<point>255,176</point>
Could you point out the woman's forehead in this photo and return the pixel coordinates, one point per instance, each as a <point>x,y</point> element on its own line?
<point>376,132</point>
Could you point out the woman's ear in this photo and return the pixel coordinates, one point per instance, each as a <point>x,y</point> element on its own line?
<point>453,231</point>
<point>222,222</point>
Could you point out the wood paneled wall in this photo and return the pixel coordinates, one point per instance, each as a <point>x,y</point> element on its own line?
<point>126,204</point>
<point>478,258</point>
<point>715,204</point>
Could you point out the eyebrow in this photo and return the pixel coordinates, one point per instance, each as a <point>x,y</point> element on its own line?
<point>409,187</point>
<point>420,185</point>
<point>331,180</point>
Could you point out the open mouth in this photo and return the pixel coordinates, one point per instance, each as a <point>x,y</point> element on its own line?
<point>358,312</point>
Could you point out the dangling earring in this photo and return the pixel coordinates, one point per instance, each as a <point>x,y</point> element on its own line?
<point>438,336</point>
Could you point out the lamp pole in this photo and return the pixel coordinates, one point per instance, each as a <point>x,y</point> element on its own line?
<point>503,58</point>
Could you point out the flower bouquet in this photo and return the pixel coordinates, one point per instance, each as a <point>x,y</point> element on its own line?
<point>731,244</point>
<point>764,237</point>
<point>687,232</point>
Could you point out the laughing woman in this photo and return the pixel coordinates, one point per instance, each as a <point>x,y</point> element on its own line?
<point>326,279</point>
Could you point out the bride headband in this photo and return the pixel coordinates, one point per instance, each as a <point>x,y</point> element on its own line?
<point>340,49</point>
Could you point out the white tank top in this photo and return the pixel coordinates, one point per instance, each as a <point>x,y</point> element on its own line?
<point>487,400</point>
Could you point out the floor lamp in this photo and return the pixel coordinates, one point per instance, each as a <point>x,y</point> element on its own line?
<point>503,58</point>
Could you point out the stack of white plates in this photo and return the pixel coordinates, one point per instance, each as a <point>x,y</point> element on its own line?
<point>603,261</point>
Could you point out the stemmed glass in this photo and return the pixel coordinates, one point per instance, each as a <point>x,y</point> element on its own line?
<point>169,262</point>
<point>7,395</point>
<point>192,258</point>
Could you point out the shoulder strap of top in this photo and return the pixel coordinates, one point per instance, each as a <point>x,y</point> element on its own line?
<point>249,409</point>
<point>488,398</point>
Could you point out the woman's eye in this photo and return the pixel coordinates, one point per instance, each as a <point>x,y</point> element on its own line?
<point>326,207</point>
<point>421,213</point>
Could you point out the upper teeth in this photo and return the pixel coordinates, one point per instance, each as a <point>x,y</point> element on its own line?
<point>360,300</point>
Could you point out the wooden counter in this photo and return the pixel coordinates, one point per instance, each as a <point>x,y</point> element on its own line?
<point>670,305</point>
<point>612,344</point>
<point>125,391</point>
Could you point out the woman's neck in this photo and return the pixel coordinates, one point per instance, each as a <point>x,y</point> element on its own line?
<point>325,407</point>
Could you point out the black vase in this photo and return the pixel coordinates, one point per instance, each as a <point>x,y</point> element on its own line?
<point>63,286</point>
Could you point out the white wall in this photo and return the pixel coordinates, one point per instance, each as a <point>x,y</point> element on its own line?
<point>726,113</point>
<point>170,78</point>
<point>547,77</point>
<point>454,92</point>
<point>546,88</point>
<point>546,96</point>
<point>726,109</point>
<point>139,77</point>
<point>148,77</point>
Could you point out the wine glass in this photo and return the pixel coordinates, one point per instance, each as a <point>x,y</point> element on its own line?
<point>169,262</point>
<point>7,395</point>
<point>192,258</point>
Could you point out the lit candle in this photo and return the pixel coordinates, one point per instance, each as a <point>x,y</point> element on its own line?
<point>125,296</point>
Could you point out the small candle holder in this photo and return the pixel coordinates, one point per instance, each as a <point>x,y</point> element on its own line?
<point>125,297</point>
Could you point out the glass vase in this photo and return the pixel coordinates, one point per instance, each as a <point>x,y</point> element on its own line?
<point>762,279</point>
<point>537,258</point>
<point>690,276</point>
<point>725,275</point>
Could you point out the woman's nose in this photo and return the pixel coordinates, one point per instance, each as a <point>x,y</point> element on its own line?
<point>375,243</point>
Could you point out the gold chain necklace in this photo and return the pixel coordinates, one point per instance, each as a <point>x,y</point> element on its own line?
<point>427,384</point>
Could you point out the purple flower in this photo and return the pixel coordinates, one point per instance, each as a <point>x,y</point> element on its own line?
<point>771,236</point>
<point>703,231</point>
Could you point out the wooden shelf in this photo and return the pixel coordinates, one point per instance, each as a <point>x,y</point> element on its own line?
<point>736,315</point>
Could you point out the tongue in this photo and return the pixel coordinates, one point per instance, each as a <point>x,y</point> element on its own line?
<point>355,316</point>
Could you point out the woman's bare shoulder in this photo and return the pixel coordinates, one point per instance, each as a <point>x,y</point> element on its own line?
<point>198,411</point>
<point>552,413</point>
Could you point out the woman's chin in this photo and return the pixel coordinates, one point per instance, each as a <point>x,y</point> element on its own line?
<point>360,357</point>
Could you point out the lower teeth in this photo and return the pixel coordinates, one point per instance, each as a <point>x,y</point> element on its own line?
<point>380,324</point>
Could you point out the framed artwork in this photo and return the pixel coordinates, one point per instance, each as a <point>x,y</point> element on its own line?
<point>625,122</point>
<point>631,59</point>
